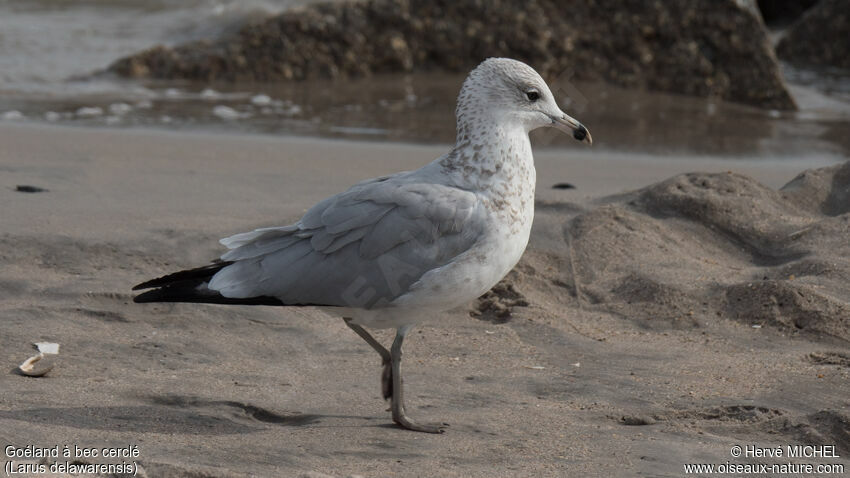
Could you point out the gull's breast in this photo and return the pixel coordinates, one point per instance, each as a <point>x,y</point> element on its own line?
<point>476,270</point>
<point>503,177</point>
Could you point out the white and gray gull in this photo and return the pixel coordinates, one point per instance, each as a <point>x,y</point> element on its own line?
<point>393,251</point>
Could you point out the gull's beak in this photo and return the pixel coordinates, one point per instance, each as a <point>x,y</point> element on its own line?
<point>570,125</point>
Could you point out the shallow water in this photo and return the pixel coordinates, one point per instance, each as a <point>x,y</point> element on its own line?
<point>48,48</point>
<point>45,42</point>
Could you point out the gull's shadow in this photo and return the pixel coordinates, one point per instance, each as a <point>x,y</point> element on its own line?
<point>176,414</point>
<point>166,414</point>
<point>238,412</point>
<point>137,419</point>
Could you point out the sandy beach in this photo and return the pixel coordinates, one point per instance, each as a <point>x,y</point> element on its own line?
<point>668,317</point>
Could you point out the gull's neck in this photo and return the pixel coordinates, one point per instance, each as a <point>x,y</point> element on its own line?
<point>487,154</point>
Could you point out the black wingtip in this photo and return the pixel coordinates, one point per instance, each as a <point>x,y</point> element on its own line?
<point>186,294</point>
<point>190,286</point>
<point>200,274</point>
<point>146,297</point>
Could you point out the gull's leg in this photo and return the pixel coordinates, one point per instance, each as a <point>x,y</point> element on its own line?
<point>398,388</point>
<point>386,360</point>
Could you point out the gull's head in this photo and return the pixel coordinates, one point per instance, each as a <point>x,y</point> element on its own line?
<point>501,89</point>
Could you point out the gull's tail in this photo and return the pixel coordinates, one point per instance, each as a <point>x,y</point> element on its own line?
<point>191,286</point>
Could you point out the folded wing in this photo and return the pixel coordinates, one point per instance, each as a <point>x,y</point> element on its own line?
<point>362,248</point>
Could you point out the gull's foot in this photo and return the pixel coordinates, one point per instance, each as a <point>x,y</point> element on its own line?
<point>409,424</point>
<point>387,380</point>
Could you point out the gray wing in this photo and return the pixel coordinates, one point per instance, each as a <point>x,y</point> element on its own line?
<point>361,248</point>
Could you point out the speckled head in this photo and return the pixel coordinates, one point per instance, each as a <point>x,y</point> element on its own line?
<point>505,90</point>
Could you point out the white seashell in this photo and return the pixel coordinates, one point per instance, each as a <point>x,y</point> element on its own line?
<point>36,366</point>
<point>47,347</point>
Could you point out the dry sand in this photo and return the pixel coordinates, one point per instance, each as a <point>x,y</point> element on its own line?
<point>635,354</point>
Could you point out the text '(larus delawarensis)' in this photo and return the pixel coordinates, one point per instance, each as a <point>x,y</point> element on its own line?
<point>396,250</point>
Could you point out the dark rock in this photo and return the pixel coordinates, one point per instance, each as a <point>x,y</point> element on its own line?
<point>783,12</point>
<point>708,48</point>
<point>563,186</point>
<point>26,188</point>
<point>820,38</point>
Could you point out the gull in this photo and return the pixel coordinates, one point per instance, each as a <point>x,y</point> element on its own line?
<point>393,251</point>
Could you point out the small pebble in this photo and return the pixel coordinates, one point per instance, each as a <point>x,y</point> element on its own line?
<point>13,115</point>
<point>120,108</point>
<point>261,100</point>
<point>89,111</point>
<point>210,94</point>
<point>226,113</point>
<point>635,420</point>
<point>290,110</point>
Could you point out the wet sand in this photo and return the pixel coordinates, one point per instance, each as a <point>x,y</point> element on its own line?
<point>632,357</point>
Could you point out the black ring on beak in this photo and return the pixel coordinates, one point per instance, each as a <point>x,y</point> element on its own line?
<point>580,133</point>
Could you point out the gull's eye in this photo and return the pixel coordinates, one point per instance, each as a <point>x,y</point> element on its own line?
<point>532,95</point>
